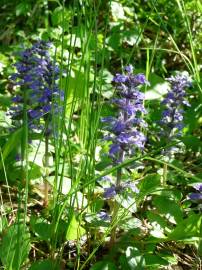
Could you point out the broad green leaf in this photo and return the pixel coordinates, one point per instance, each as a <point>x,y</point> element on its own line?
<point>132,37</point>
<point>34,171</point>
<point>12,143</point>
<point>93,220</point>
<point>5,101</point>
<point>127,201</point>
<point>46,264</point>
<point>59,16</point>
<point>168,257</point>
<point>15,246</point>
<point>193,143</point>
<point>133,259</point>
<point>157,88</point>
<point>131,224</point>
<point>74,231</point>
<point>169,208</point>
<point>43,230</point>
<point>173,194</point>
<point>187,229</point>
<point>103,265</point>
<point>158,223</point>
<point>154,260</point>
<point>23,8</point>
<point>75,89</point>
<point>149,184</point>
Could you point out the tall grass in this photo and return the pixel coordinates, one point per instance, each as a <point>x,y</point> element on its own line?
<point>76,133</point>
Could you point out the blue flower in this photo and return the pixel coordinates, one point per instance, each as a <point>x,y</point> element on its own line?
<point>196,196</point>
<point>104,216</point>
<point>129,69</point>
<point>198,186</point>
<point>172,116</point>
<point>36,75</point>
<point>125,128</point>
<point>113,190</point>
<point>120,78</point>
<point>17,99</point>
<point>109,192</point>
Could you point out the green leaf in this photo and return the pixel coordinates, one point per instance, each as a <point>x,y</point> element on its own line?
<point>193,143</point>
<point>94,221</point>
<point>5,102</point>
<point>131,224</point>
<point>158,87</point>
<point>43,230</point>
<point>149,184</point>
<point>132,259</point>
<point>46,264</point>
<point>154,260</point>
<point>15,246</point>
<point>127,201</point>
<point>12,143</point>
<point>168,207</point>
<point>168,257</point>
<point>159,224</point>
<point>74,231</point>
<point>103,265</point>
<point>132,37</point>
<point>35,171</point>
<point>23,8</point>
<point>188,229</point>
<point>59,16</point>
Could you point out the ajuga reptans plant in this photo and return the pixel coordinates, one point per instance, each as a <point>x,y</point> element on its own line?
<point>37,80</point>
<point>124,131</point>
<point>172,116</point>
<point>39,96</point>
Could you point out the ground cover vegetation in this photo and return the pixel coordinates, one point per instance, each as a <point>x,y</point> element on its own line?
<point>100,141</point>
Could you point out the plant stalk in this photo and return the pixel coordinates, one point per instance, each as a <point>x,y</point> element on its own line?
<point>46,163</point>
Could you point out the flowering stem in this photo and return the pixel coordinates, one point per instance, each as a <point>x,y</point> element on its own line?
<point>47,172</point>
<point>165,172</point>
<point>119,171</point>
<point>24,150</point>
<point>118,183</point>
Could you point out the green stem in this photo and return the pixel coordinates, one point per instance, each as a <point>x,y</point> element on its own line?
<point>165,173</point>
<point>116,204</point>
<point>47,172</point>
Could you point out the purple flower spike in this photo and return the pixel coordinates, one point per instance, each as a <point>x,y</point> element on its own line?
<point>140,79</point>
<point>46,108</point>
<point>125,128</point>
<point>104,216</point>
<point>119,78</point>
<point>17,99</point>
<point>109,192</point>
<point>198,186</point>
<point>195,196</point>
<point>129,69</point>
<point>172,116</point>
<point>114,149</point>
<point>35,113</point>
<point>36,74</point>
